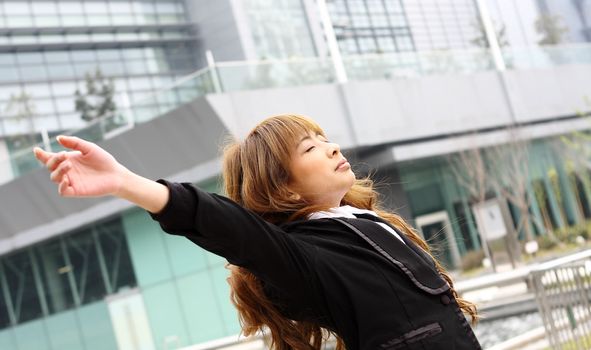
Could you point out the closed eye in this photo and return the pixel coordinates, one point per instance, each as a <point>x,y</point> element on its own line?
<point>309,149</point>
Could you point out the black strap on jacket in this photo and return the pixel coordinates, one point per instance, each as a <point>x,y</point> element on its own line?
<point>405,256</point>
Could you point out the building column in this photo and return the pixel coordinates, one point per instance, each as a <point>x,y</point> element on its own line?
<point>555,209</point>
<point>538,221</point>
<point>471,224</point>
<point>570,202</point>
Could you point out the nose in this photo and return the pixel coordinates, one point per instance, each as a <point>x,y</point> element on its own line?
<point>333,149</point>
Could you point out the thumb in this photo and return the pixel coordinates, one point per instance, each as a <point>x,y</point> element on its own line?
<point>75,143</point>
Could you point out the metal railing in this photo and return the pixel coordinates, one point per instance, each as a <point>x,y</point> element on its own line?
<point>563,294</point>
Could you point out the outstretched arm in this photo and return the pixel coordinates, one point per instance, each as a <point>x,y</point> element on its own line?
<point>89,171</point>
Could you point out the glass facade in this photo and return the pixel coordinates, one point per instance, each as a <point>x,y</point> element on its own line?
<point>380,26</point>
<point>371,26</point>
<point>559,196</point>
<point>66,272</point>
<point>279,28</point>
<point>54,292</point>
<point>48,47</point>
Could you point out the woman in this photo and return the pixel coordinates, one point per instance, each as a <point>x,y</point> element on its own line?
<point>311,253</point>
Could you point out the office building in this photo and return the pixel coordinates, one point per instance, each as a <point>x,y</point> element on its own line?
<point>413,84</point>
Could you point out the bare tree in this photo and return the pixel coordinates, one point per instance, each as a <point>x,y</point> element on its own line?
<point>470,171</point>
<point>510,164</point>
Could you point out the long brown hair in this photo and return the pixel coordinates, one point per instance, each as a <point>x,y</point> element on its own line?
<point>256,176</point>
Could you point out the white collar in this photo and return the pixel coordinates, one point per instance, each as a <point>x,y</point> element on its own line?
<point>345,211</point>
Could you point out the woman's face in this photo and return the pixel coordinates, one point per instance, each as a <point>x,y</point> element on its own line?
<point>318,171</point>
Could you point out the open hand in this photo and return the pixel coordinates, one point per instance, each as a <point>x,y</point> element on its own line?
<point>85,171</point>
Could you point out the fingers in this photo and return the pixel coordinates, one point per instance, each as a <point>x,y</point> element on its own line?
<point>55,160</point>
<point>75,143</point>
<point>42,155</point>
<point>65,189</point>
<point>58,174</point>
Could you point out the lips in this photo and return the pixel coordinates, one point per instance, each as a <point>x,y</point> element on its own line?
<point>341,163</point>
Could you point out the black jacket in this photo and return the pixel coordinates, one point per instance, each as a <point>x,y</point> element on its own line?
<point>323,271</point>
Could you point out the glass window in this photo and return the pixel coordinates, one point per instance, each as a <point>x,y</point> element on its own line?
<point>404,43</point>
<point>65,104</point>
<point>167,7</point>
<point>123,19</point>
<point>43,106</point>
<point>386,44</point>
<point>83,55</point>
<point>379,21</point>
<point>47,21</point>
<point>71,121</point>
<point>85,263</point>
<point>19,21</point>
<point>116,255</point>
<point>126,36</point>
<point>95,7</point>
<point>16,8</point>
<point>143,6</point>
<point>375,6</point>
<point>70,8</point>
<point>49,38</point>
<point>45,8</point>
<point>152,66</point>
<point>38,90</point>
<point>109,54</point>
<point>73,20</point>
<point>61,71</point>
<point>98,20</point>
<point>29,57</point>
<point>19,274</point>
<point>120,8</point>
<point>360,21</point>
<point>169,18</point>
<point>33,72</point>
<point>85,68</point>
<point>7,58</point>
<point>112,68</point>
<point>393,6</point>
<point>103,36</point>
<point>55,273</point>
<point>63,88</point>
<point>57,56</point>
<point>4,315</point>
<point>147,19</point>
<point>139,83</point>
<point>47,122</point>
<point>25,39</point>
<point>367,45</point>
<point>130,54</point>
<point>8,90</point>
<point>78,38</point>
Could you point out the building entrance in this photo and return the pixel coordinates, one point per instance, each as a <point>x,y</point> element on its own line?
<point>436,230</point>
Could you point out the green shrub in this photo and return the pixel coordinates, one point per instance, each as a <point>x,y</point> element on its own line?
<point>546,243</point>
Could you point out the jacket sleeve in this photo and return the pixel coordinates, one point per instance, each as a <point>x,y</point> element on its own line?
<point>225,228</point>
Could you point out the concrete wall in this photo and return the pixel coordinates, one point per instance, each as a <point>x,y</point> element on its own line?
<point>186,141</point>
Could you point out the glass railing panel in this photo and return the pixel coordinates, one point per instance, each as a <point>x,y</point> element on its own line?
<point>414,64</point>
<point>547,56</point>
<point>234,76</point>
<point>185,90</point>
